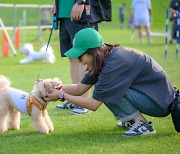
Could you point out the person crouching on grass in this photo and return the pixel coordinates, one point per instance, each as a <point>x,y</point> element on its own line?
<point>127,81</point>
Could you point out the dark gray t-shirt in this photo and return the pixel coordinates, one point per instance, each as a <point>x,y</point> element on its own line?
<point>129,68</point>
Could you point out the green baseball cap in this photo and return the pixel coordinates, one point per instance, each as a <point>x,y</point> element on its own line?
<point>84,39</point>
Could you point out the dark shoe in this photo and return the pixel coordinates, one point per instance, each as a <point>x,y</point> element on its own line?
<point>65,106</point>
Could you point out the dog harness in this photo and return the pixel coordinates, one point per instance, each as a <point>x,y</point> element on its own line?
<point>36,100</point>
<point>23,101</point>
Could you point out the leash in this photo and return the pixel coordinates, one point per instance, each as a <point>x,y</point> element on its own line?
<point>55,27</point>
<point>45,53</point>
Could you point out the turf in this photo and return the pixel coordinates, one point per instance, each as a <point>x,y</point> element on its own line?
<point>95,132</point>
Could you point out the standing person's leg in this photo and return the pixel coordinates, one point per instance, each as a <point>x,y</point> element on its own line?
<point>146,24</point>
<point>140,34</point>
<point>68,30</point>
<point>65,44</point>
<point>137,23</point>
<point>147,28</point>
<point>173,31</point>
<point>77,69</point>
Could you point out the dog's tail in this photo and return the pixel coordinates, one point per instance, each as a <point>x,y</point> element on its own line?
<point>4,82</point>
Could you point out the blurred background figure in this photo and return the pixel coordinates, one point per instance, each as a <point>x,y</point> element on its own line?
<point>122,14</point>
<point>174,7</point>
<point>131,25</point>
<point>142,16</point>
<point>45,16</point>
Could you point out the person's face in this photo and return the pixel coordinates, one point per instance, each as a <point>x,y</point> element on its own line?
<point>87,60</point>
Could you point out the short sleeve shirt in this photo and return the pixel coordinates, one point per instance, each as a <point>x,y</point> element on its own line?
<point>141,7</point>
<point>64,8</point>
<point>126,68</point>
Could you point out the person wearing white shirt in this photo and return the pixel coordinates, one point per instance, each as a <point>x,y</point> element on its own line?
<point>142,13</point>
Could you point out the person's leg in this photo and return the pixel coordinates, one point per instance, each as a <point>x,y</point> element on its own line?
<point>65,44</point>
<point>140,34</point>
<point>147,28</point>
<point>130,108</point>
<point>146,24</point>
<point>173,31</point>
<point>77,70</point>
<point>137,23</point>
<point>121,21</point>
<point>68,30</point>
<point>145,104</point>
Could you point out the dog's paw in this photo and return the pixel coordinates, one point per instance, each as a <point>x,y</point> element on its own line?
<point>44,131</point>
<point>51,129</point>
<point>3,130</point>
<point>25,61</point>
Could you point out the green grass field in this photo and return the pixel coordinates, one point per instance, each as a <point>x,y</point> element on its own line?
<point>95,132</point>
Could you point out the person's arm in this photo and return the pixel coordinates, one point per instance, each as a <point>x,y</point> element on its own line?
<point>53,9</point>
<point>84,102</point>
<point>77,10</point>
<point>76,89</point>
<point>72,94</point>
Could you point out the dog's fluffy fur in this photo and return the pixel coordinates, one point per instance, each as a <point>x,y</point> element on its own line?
<point>10,115</point>
<point>32,55</point>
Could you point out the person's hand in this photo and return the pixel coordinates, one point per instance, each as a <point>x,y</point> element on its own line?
<point>53,9</point>
<point>76,12</point>
<point>54,94</point>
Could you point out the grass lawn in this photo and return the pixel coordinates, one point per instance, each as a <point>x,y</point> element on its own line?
<point>95,132</point>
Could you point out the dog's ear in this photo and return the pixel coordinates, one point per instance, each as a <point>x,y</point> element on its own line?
<point>39,89</point>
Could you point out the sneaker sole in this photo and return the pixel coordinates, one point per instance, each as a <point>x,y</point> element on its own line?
<point>153,132</point>
<point>76,113</point>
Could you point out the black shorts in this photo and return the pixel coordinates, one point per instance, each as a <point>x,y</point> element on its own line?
<point>67,31</point>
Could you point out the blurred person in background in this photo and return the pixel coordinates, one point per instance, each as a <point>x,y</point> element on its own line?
<point>174,7</point>
<point>122,14</point>
<point>142,16</point>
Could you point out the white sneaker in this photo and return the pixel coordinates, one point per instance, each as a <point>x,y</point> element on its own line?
<point>140,128</point>
<point>79,110</point>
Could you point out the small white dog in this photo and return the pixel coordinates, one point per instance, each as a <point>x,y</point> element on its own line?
<point>32,55</point>
<point>14,101</point>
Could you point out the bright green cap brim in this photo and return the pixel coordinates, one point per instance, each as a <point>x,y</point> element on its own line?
<point>84,39</point>
<point>75,52</point>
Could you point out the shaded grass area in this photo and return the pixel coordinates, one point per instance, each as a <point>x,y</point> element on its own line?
<point>95,132</point>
